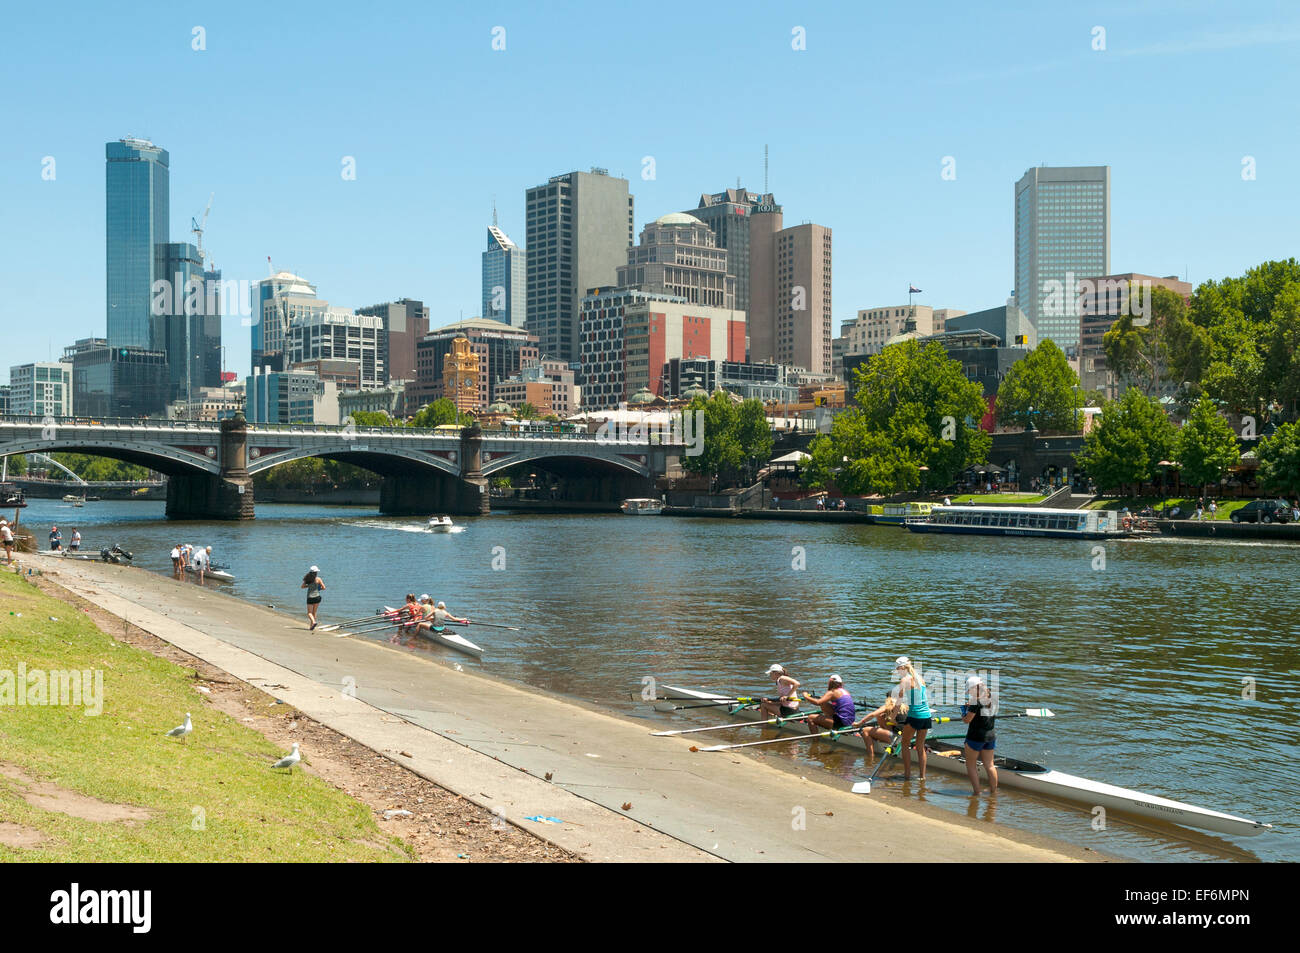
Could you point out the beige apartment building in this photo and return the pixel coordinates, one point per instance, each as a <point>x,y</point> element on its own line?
<point>802,326</point>
<point>875,326</point>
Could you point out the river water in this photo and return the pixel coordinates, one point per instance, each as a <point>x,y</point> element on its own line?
<point>1144,652</point>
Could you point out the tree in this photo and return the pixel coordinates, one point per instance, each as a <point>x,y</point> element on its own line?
<point>526,411</point>
<point>915,409</point>
<point>373,418</point>
<point>1279,461</point>
<point>1127,444</point>
<point>1167,348</point>
<point>1206,445</point>
<point>734,433</point>
<point>1040,386</point>
<point>440,413</point>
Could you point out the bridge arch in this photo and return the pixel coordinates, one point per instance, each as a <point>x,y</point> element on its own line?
<point>372,459</point>
<point>507,460</point>
<point>172,461</point>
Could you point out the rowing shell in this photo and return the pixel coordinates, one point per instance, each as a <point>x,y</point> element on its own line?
<point>449,639</point>
<point>220,575</point>
<point>1026,776</point>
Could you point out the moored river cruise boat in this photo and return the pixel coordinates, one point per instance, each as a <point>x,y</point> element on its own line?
<point>642,507</point>
<point>1025,521</point>
<point>899,513</point>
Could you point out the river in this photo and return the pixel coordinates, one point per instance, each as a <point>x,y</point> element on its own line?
<point>1144,652</point>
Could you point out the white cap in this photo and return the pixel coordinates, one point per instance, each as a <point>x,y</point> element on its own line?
<point>974,681</point>
<point>775,669</point>
<point>315,568</point>
<point>424,597</point>
<point>207,549</point>
<point>835,680</point>
<point>902,662</point>
<point>441,605</point>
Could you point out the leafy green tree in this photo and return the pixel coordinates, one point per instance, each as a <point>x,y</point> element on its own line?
<point>1167,348</point>
<point>734,435</point>
<point>915,409</point>
<point>1207,445</point>
<point>1279,461</point>
<point>437,414</point>
<point>1130,439</point>
<point>526,411</point>
<point>373,418</point>
<point>1040,386</point>
<point>100,469</point>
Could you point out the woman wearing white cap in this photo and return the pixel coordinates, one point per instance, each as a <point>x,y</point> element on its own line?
<point>913,693</point>
<point>7,537</point>
<point>980,736</point>
<point>837,707</point>
<point>787,702</point>
<point>314,585</point>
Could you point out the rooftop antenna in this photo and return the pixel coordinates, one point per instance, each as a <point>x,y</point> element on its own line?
<point>494,211</point>
<point>765,168</point>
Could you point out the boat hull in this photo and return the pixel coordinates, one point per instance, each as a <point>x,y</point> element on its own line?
<point>1027,776</point>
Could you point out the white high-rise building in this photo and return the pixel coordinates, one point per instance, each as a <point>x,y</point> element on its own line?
<point>41,389</point>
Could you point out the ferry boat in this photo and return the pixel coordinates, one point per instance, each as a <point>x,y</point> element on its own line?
<point>897,514</point>
<point>642,507</point>
<point>1024,521</point>
<point>12,496</point>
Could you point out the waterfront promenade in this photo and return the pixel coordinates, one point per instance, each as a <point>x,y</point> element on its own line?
<point>495,743</point>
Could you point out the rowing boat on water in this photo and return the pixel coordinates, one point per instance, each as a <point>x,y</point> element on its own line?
<point>220,575</point>
<point>447,638</point>
<point>1021,775</point>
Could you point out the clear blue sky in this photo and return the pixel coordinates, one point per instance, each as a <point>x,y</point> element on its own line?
<point>439,123</point>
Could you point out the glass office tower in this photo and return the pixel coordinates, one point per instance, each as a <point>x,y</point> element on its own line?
<point>1062,235</point>
<point>505,278</point>
<point>191,312</point>
<point>136,235</point>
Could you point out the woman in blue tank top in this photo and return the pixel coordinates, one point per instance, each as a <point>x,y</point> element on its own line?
<point>913,693</point>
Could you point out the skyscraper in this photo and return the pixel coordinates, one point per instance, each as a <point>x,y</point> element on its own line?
<point>729,215</point>
<point>190,307</point>
<point>505,280</point>
<point>802,335</point>
<point>406,321</point>
<point>136,236</point>
<point>1062,235</point>
<point>579,226</point>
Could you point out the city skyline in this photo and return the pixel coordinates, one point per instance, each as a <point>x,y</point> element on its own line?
<point>878,183</point>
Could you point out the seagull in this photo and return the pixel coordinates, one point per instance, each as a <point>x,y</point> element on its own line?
<point>180,731</point>
<point>289,760</point>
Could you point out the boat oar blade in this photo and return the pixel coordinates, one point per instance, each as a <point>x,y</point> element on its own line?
<point>862,787</point>
<point>1039,713</point>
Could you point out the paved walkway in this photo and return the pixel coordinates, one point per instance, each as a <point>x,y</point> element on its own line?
<point>495,743</point>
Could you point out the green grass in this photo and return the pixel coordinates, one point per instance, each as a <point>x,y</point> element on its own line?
<point>1007,499</point>
<point>1187,505</point>
<point>251,813</point>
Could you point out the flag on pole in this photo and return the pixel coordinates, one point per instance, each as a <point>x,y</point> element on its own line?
<point>913,290</point>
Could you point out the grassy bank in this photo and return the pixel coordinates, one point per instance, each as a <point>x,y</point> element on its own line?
<point>1187,506</point>
<point>111,787</point>
<point>1000,499</point>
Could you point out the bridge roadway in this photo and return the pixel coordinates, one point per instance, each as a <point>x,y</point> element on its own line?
<point>210,465</point>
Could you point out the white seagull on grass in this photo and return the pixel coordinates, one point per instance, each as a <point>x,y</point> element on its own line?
<point>289,760</point>
<point>180,731</point>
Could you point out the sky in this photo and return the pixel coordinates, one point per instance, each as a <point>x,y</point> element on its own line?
<point>1177,98</point>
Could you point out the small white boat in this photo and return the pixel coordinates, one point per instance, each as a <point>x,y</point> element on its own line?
<point>642,507</point>
<point>440,524</point>
<point>1022,775</point>
<point>445,638</point>
<point>220,575</point>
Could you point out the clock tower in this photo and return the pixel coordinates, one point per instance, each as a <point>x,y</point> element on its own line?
<point>460,376</point>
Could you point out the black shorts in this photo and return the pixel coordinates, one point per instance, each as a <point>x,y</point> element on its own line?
<point>839,722</point>
<point>313,602</point>
<point>787,711</point>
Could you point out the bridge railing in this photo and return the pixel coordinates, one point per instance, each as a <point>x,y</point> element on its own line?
<point>131,423</point>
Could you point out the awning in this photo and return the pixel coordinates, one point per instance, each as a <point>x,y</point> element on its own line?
<point>794,456</point>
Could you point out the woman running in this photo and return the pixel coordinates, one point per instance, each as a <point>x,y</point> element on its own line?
<point>913,693</point>
<point>981,738</point>
<point>314,585</point>
<point>786,703</point>
<point>836,705</point>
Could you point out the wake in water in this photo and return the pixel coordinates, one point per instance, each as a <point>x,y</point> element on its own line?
<point>402,527</point>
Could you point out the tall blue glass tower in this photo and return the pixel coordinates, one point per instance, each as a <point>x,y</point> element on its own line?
<point>137,190</point>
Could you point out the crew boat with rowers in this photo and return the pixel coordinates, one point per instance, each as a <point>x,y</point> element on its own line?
<point>1014,773</point>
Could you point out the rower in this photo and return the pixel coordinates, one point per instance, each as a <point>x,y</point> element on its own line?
<point>407,616</point>
<point>441,617</point>
<point>786,704</point>
<point>915,696</point>
<point>888,718</point>
<point>836,705</point>
<point>981,738</point>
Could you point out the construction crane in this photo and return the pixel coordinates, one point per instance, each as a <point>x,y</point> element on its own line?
<point>197,226</point>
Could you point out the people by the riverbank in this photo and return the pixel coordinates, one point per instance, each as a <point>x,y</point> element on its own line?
<point>7,540</point>
<point>441,616</point>
<point>56,540</point>
<point>915,696</point>
<point>786,702</point>
<point>176,560</point>
<point>981,737</point>
<point>202,561</point>
<point>408,617</point>
<point>837,707</point>
<point>75,543</point>
<point>887,719</point>
<point>314,585</point>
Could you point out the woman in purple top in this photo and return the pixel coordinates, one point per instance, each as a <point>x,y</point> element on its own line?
<point>837,707</point>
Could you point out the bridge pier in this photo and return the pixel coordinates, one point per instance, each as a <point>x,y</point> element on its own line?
<point>210,496</point>
<point>412,494</point>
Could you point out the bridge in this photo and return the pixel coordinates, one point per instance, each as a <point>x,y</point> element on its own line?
<point>210,466</point>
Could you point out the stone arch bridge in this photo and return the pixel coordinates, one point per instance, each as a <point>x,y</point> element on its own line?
<point>210,466</point>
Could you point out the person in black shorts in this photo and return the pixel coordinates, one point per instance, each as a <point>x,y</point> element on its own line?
<point>314,585</point>
<point>786,704</point>
<point>981,737</point>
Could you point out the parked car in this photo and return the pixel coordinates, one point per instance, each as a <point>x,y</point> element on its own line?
<point>1263,511</point>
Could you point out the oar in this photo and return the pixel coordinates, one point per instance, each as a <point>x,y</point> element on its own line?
<point>339,625</point>
<point>489,625</point>
<point>742,702</point>
<point>363,626</point>
<point>864,787</point>
<point>1027,713</point>
<point>828,733</point>
<point>736,724</point>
